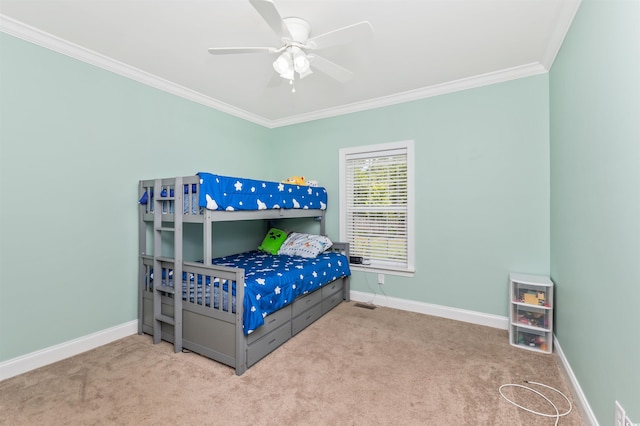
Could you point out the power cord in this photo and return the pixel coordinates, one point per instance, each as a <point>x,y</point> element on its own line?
<point>375,293</point>
<point>557,415</point>
<point>385,294</point>
<point>366,277</point>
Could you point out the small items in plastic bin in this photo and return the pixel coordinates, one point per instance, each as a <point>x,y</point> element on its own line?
<point>532,297</point>
<point>532,340</point>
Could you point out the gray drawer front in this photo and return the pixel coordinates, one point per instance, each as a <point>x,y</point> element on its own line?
<point>331,302</point>
<point>261,347</point>
<point>305,302</point>
<point>307,317</point>
<point>332,287</point>
<point>271,322</point>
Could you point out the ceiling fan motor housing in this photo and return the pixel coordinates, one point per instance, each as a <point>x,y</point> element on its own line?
<point>298,28</point>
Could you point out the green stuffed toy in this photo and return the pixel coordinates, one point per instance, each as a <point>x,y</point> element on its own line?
<point>273,241</point>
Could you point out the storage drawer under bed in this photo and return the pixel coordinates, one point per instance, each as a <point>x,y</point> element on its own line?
<point>267,343</point>
<point>300,322</point>
<point>332,295</point>
<point>332,288</point>
<point>331,302</point>
<point>271,322</point>
<point>305,302</point>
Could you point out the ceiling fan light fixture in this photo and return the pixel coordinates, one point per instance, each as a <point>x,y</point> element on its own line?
<point>284,64</point>
<point>291,61</point>
<point>288,75</point>
<point>300,61</point>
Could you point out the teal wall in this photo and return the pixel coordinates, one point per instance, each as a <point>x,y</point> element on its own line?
<point>595,202</point>
<point>536,175</point>
<point>482,187</point>
<point>75,140</point>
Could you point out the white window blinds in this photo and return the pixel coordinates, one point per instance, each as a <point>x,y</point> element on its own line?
<point>376,207</point>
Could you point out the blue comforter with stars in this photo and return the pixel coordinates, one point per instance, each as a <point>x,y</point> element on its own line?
<point>231,193</point>
<point>274,281</point>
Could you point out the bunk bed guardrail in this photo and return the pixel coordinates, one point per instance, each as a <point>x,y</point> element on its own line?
<point>209,294</point>
<point>201,297</point>
<point>191,211</point>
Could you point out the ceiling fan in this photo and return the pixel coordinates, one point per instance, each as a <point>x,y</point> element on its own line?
<point>294,57</point>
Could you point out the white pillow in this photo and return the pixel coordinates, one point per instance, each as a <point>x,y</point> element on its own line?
<point>305,245</point>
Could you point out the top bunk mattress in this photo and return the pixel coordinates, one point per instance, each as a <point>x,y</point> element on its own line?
<point>231,193</point>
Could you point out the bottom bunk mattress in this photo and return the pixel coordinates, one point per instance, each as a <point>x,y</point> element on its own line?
<point>271,282</point>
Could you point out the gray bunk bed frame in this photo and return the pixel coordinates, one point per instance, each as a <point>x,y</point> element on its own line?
<point>208,330</point>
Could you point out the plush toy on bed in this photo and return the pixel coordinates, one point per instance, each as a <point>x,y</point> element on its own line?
<point>295,180</point>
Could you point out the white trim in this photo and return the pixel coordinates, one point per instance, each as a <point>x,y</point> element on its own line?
<point>28,362</point>
<point>25,32</point>
<point>376,148</point>
<point>376,270</point>
<point>380,149</point>
<point>25,363</point>
<point>581,400</point>
<point>57,44</point>
<point>480,318</point>
<point>567,11</point>
<point>487,79</point>
<point>411,206</point>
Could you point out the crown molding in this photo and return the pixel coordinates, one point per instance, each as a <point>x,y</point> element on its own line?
<point>33,35</point>
<point>567,10</point>
<point>25,32</point>
<point>414,95</point>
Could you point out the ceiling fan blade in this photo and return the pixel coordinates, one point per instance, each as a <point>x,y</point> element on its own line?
<point>235,50</point>
<point>342,35</point>
<point>331,69</point>
<point>270,14</point>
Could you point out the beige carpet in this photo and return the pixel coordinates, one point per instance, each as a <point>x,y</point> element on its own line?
<point>352,367</point>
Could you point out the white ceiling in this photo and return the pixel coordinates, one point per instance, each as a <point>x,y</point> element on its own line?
<point>418,49</point>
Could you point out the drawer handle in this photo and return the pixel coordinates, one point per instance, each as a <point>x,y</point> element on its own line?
<point>271,342</point>
<point>272,321</point>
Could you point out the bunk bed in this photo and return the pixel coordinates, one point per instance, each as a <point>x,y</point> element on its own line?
<point>223,308</point>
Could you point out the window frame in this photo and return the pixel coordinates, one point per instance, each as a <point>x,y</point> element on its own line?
<point>381,150</point>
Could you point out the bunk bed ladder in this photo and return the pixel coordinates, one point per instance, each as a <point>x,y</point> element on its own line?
<point>168,284</point>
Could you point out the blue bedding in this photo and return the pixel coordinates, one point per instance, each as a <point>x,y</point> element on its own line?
<point>274,281</point>
<point>231,193</point>
<point>271,282</point>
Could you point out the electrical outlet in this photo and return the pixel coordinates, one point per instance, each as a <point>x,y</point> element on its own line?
<point>380,279</point>
<point>619,415</point>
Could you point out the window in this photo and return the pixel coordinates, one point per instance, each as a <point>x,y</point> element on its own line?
<point>376,204</point>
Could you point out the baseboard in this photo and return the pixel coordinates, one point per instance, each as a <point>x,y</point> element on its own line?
<point>28,362</point>
<point>480,318</point>
<point>495,321</point>
<point>22,364</point>
<point>580,399</point>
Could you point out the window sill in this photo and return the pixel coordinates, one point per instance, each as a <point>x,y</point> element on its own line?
<point>381,270</point>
